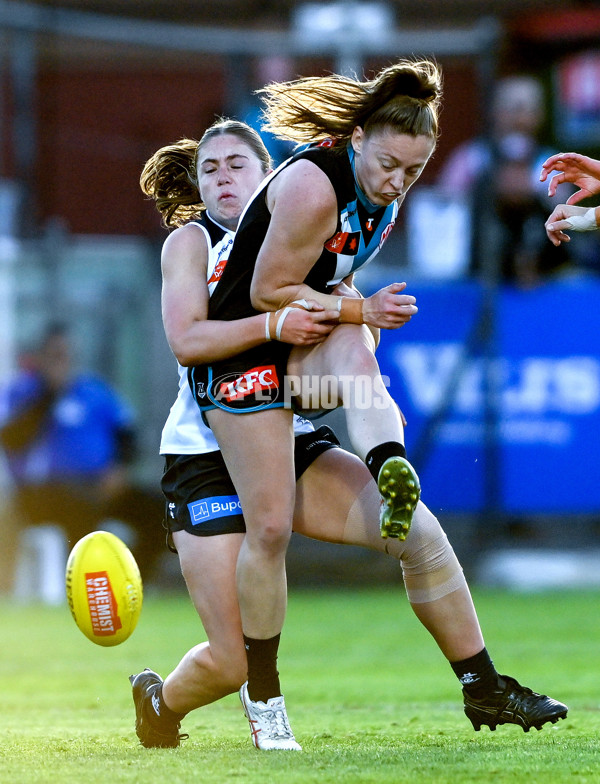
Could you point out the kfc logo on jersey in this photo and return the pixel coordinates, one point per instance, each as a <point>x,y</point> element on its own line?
<point>249,383</point>
<point>344,242</point>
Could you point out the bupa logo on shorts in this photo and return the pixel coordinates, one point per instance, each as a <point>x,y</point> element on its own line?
<point>249,383</point>
<point>213,508</point>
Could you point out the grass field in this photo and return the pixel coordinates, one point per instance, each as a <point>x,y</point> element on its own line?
<point>369,696</point>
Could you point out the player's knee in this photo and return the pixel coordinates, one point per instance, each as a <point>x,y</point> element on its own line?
<point>361,362</point>
<point>429,565</point>
<point>429,557</point>
<point>271,536</point>
<point>351,356</point>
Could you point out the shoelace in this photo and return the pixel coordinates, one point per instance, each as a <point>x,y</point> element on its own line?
<point>521,691</point>
<point>278,723</point>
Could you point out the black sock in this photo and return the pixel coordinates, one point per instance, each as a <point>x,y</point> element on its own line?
<point>379,454</point>
<point>263,677</point>
<point>477,674</point>
<point>160,709</point>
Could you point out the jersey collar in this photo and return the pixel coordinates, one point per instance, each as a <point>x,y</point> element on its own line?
<point>368,205</point>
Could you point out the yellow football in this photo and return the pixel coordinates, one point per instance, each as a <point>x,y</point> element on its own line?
<point>104,588</point>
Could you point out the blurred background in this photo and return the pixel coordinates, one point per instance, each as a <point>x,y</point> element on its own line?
<point>499,375</point>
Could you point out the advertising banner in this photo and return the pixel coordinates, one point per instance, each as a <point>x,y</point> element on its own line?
<point>501,391</point>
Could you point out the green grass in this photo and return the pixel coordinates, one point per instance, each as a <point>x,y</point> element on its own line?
<point>370,697</point>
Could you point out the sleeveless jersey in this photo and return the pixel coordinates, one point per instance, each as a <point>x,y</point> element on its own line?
<point>359,235</point>
<point>184,432</point>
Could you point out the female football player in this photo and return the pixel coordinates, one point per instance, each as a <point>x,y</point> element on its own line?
<point>315,221</point>
<point>202,189</point>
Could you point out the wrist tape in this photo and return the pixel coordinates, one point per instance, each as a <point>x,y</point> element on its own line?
<point>351,310</point>
<point>281,316</point>
<point>584,222</point>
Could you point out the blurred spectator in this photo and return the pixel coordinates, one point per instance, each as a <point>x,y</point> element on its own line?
<point>505,168</point>
<point>69,444</point>
<point>8,530</point>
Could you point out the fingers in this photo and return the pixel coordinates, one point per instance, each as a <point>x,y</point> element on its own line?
<point>302,327</point>
<point>551,163</point>
<point>326,315</point>
<point>555,227</point>
<point>313,305</point>
<point>559,225</point>
<point>578,196</point>
<point>394,288</point>
<point>552,159</point>
<point>548,164</point>
<point>556,180</point>
<point>398,317</point>
<point>402,309</point>
<point>556,237</point>
<point>388,308</point>
<point>545,172</point>
<point>557,160</point>
<point>570,166</point>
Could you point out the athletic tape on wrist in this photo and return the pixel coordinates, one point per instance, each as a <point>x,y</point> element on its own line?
<point>280,320</point>
<point>302,303</point>
<point>283,314</point>
<point>351,311</point>
<point>584,222</point>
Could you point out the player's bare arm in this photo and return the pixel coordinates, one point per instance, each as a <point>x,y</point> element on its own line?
<point>346,288</point>
<point>304,217</point>
<point>184,296</point>
<point>303,206</point>
<point>194,339</point>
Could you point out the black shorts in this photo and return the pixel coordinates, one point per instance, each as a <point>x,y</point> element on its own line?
<point>200,496</point>
<point>252,381</point>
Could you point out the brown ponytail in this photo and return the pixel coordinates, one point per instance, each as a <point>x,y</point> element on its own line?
<point>404,97</point>
<point>169,177</point>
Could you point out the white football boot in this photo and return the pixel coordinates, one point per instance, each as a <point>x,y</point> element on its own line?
<point>269,725</point>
